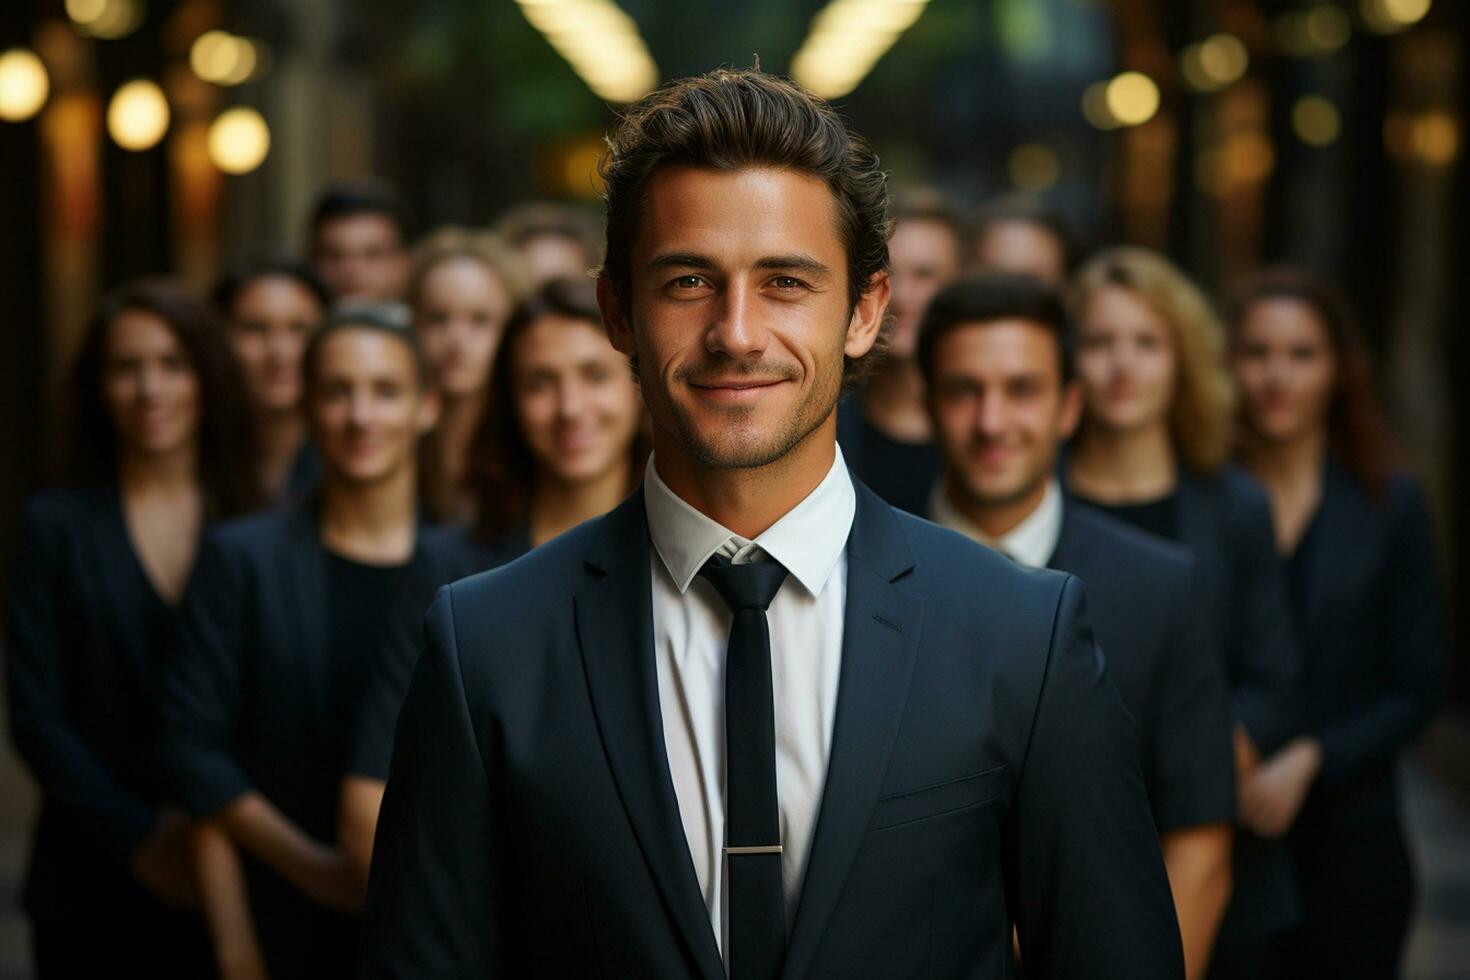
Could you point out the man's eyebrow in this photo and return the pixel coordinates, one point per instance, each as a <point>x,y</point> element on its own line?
<point>693,260</point>
<point>681,260</point>
<point>800,263</point>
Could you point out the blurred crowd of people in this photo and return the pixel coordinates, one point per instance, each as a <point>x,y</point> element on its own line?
<point>214,617</point>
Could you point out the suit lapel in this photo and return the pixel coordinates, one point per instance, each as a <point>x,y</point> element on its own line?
<point>117,556</point>
<point>879,641</point>
<point>614,614</point>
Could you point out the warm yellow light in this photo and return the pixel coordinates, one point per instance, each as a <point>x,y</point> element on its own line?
<point>600,42</point>
<point>107,19</point>
<point>1436,138</point>
<point>24,85</point>
<point>1389,16</point>
<point>1316,121</point>
<point>1249,157</point>
<point>1214,63</point>
<point>137,116</point>
<point>225,59</point>
<point>239,140</point>
<point>847,38</point>
<point>1132,98</point>
<point>1327,27</point>
<point>1095,107</point>
<point>1034,167</point>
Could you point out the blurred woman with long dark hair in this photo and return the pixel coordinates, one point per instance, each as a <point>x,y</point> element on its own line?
<point>1365,599</point>
<point>563,439</point>
<point>1153,448</point>
<point>160,441</point>
<point>464,287</point>
<point>270,311</point>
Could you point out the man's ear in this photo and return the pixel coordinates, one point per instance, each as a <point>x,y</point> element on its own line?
<point>614,320</point>
<point>866,322</point>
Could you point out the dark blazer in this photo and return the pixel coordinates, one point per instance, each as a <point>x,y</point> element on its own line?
<point>902,473</point>
<point>457,554</point>
<point>1162,660</point>
<point>1368,609</point>
<point>87,636</point>
<point>982,771</point>
<point>248,706</point>
<point>1226,522</point>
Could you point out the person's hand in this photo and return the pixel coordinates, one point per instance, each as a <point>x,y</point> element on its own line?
<point>327,878</point>
<point>1275,791</point>
<point>164,863</point>
<point>244,961</point>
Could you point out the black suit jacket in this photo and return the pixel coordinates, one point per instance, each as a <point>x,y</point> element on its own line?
<point>1372,627</point>
<point>86,638</point>
<point>1162,659</point>
<point>248,705</point>
<point>982,771</point>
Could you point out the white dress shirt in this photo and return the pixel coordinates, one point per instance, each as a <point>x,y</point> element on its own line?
<point>1031,542</point>
<point>691,626</point>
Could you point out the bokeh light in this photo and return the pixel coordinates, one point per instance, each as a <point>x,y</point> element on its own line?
<point>137,116</point>
<point>1316,121</point>
<point>24,85</point>
<point>239,140</point>
<point>1132,98</point>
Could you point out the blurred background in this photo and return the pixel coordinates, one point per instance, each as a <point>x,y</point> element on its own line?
<point>139,136</point>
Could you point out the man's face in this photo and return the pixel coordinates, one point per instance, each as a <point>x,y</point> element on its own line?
<point>925,257</point>
<point>737,313</point>
<point>1000,409</point>
<point>361,257</point>
<point>1023,247</point>
<point>368,407</point>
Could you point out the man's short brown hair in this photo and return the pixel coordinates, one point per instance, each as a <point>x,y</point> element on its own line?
<point>732,119</point>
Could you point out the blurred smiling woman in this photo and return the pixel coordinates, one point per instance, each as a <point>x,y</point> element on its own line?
<point>563,440</point>
<point>1153,448</point>
<point>160,442</point>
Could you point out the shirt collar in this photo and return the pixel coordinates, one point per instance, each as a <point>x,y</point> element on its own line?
<point>807,540</point>
<point>1031,542</point>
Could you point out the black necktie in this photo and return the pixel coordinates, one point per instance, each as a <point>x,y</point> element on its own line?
<point>752,821</point>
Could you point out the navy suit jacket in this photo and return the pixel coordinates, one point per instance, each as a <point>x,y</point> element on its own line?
<point>1164,661</point>
<point>1372,628</point>
<point>87,637</point>
<point>983,771</point>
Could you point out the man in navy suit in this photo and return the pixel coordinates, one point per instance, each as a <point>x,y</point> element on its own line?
<point>755,722</point>
<point>996,356</point>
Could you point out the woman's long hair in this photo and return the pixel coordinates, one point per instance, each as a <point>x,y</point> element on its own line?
<point>502,468</point>
<point>226,458</point>
<point>1357,434</point>
<point>1201,417</point>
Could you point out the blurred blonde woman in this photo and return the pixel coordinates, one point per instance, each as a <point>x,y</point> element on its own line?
<point>1153,448</point>
<point>464,286</point>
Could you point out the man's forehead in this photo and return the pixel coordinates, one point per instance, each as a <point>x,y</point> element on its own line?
<point>749,210</point>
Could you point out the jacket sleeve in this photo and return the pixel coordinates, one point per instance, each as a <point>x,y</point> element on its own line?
<point>201,685</point>
<point>69,772</point>
<point>1194,773</point>
<point>1264,662</point>
<point>432,904</point>
<point>1090,895</point>
<point>1412,664</point>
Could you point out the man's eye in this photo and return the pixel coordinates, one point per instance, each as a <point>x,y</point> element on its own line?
<point>786,282</point>
<point>688,282</point>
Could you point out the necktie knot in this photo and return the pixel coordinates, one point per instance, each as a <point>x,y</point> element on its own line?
<point>749,586</point>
